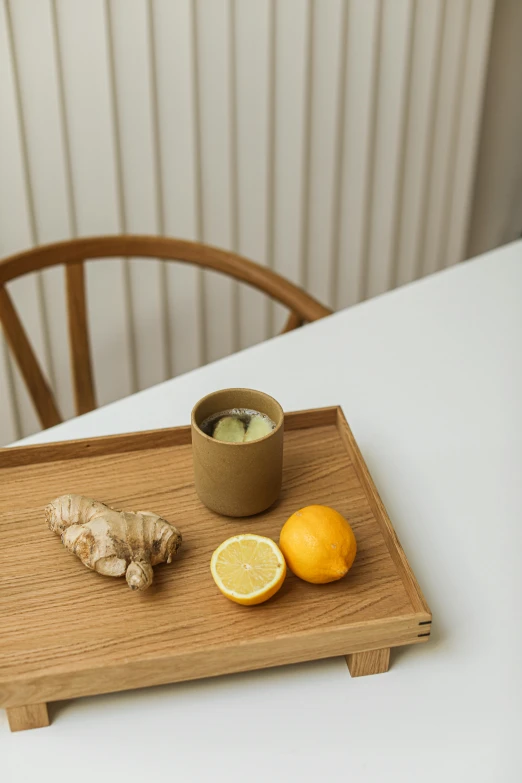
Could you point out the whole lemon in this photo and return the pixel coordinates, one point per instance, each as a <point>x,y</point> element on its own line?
<point>318,544</point>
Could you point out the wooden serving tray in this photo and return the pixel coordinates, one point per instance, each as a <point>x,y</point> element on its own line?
<point>66,631</point>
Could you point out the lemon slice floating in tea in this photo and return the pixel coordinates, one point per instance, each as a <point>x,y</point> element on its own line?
<point>239,425</point>
<point>229,429</point>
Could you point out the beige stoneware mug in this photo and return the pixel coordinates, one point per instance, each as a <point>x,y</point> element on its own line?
<point>237,479</point>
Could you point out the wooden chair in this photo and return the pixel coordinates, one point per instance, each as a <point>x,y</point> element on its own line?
<point>73,254</point>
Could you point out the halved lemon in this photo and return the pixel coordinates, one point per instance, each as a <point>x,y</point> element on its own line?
<point>248,569</point>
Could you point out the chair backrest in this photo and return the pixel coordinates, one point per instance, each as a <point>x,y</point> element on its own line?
<point>72,254</point>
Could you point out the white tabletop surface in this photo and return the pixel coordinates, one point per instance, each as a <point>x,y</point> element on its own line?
<point>430,379</point>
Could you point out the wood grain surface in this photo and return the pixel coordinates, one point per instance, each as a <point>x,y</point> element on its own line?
<point>67,631</point>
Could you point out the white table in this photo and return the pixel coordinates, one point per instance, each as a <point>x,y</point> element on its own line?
<point>430,378</point>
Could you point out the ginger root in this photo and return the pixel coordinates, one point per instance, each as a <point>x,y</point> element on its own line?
<point>113,542</point>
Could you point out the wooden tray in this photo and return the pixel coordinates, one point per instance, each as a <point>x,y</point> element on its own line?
<point>66,631</point>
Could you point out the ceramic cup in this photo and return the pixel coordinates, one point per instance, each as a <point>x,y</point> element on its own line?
<point>237,479</point>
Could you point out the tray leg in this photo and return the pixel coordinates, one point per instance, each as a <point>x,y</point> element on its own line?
<point>370,662</point>
<point>31,716</point>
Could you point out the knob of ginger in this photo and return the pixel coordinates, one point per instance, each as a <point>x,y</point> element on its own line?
<point>113,542</point>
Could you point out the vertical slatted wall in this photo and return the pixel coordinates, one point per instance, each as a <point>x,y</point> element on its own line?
<point>333,140</point>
